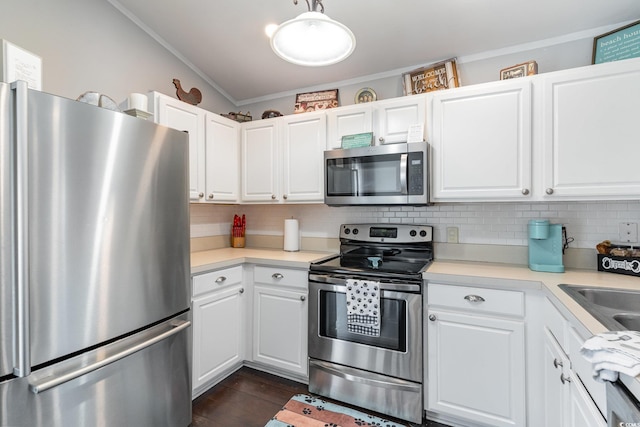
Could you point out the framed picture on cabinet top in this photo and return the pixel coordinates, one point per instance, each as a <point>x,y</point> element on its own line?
<point>529,68</point>
<point>315,101</point>
<point>621,43</point>
<point>443,75</point>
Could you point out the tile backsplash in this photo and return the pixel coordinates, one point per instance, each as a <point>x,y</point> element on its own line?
<point>478,223</point>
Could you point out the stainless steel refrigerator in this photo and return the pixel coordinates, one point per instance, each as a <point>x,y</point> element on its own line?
<point>94,266</point>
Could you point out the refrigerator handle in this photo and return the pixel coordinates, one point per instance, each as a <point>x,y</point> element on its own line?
<point>22,365</point>
<point>49,382</point>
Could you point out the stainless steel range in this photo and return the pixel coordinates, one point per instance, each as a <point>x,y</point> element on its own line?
<point>365,319</point>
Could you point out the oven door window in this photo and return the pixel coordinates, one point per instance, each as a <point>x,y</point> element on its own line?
<point>333,322</point>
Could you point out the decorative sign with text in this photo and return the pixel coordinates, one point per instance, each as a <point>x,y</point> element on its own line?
<point>622,43</point>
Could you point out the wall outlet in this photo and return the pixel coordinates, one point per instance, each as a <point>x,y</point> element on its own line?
<point>628,232</point>
<point>452,234</point>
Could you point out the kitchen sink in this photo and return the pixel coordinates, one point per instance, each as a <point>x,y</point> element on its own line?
<point>617,309</point>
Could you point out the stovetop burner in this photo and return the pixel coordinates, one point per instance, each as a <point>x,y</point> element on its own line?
<point>389,250</point>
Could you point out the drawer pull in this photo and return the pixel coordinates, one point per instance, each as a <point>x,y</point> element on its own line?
<point>277,276</point>
<point>556,363</point>
<point>564,379</point>
<point>474,298</point>
<point>220,280</point>
<point>241,290</point>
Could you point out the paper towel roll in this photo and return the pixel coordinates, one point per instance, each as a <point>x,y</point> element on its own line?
<point>291,235</point>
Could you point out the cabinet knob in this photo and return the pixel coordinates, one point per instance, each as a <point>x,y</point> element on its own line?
<point>525,191</point>
<point>432,317</point>
<point>284,197</point>
<point>564,379</point>
<point>241,290</point>
<point>220,280</point>
<point>273,197</point>
<point>210,196</point>
<point>474,298</point>
<point>549,191</point>
<point>201,195</point>
<point>556,363</point>
<point>381,139</point>
<point>302,298</point>
<point>277,276</point>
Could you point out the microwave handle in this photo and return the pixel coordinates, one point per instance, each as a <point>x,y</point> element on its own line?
<point>403,173</point>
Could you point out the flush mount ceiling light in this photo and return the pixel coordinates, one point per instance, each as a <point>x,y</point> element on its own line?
<point>313,39</point>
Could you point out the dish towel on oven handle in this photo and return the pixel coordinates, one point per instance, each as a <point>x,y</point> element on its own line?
<point>613,352</point>
<point>363,307</point>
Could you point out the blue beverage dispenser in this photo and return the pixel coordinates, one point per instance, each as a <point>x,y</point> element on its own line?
<point>545,246</point>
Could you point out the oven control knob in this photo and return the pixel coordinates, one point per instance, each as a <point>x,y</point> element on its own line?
<point>355,231</point>
<point>413,233</point>
<point>432,317</point>
<point>423,233</point>
<point>347,231</point>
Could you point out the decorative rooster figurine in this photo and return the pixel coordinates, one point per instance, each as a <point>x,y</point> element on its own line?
<point>193,97</point>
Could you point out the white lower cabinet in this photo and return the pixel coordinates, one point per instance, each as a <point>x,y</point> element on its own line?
<point>280,319</point>
<point>219,328</point>
<point>476,355</point>
<point>566,399</point>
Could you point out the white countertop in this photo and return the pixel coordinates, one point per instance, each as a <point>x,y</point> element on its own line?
<point>218,258</point>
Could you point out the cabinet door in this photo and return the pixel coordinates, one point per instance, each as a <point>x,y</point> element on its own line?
<point>260,161</point>
<point>590,132</point>
<point>481,142</point>
<point>350,120</point>
<point>222,148</point>
<point>394,117</point>
<point>476,368</point>
<point>304,138</point>
<point>280,329</point>
<point>582,411</point>
<point>218,333</point>
<point>556,388</point>
<point>179,115</point>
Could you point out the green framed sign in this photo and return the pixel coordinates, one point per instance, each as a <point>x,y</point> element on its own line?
<point>357,140</point>
<point>622,43</point>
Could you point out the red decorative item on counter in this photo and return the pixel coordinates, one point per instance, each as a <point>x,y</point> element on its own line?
<point>237,231</point>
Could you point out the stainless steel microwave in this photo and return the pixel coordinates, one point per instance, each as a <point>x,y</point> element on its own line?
<point>392,174</point>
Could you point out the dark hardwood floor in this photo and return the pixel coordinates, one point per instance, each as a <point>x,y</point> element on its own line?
<point>248,398</point>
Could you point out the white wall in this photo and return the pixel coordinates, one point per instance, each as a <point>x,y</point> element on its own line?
<point>88,45</point>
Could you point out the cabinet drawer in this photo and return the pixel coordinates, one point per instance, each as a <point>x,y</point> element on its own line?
<point>216,280</point>
<point>482,300</point>
<point>281,276</point>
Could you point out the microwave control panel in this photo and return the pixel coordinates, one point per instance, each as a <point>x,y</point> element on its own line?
<point>415,173</point>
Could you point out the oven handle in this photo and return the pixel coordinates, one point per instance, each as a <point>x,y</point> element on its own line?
<point>341,281</point>
<point>397,384</point>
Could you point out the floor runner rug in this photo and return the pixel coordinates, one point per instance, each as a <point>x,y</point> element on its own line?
<point>308,411</point>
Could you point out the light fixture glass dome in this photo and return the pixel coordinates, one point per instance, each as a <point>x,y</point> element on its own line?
<point>313,39</point>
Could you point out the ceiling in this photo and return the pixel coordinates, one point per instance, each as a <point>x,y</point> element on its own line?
<point>225,43</point>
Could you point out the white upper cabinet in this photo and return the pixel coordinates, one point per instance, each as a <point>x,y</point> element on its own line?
<point>480,140</point>
<point>591,132</point>
<point>282,159</point>
<point>179,115</point>
<point>349,120</point>
<point>261,161</point>
<point>394,117</point>
<point>214,148</point>
<point>304,138</point>
<point>222,148</point>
